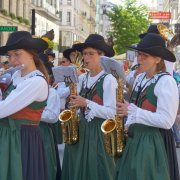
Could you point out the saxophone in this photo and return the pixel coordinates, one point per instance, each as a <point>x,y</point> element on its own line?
<point>69,120</point>
<point>113,129</point>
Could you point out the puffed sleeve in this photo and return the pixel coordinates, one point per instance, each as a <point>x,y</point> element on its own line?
<point>108,109</point>
<point>52,110</point>
<point>62,90</point>
<point>167,105</point>
<point>28,91</point>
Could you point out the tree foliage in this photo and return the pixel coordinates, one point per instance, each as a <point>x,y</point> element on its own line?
<point>127,22</point>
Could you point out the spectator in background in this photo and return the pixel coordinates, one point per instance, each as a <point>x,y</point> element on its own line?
<point>65,62</point>
<point>176,126</point>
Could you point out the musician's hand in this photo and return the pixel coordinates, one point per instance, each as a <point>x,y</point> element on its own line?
<point>122,108</point>
<point>77,101</point>
<point>79,72</point>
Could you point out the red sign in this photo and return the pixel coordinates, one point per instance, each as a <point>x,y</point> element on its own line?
<point>159,15</point>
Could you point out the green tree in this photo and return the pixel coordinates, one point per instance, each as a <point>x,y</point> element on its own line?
<point>127,22</point>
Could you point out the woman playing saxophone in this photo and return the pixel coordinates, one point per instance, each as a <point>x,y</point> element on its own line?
<point>96,104</point>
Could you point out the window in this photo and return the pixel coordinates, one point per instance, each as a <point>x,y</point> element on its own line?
<point>60,16</point>
<point>69,17</point>
<point>49,1</point>
<point>1,4</point>
<point>69,2</point>
<point>10,6</point>
<point>17,8</point>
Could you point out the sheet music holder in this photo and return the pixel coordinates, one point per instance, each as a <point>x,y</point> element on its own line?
<point>112,66</point>
<point>65,74</point>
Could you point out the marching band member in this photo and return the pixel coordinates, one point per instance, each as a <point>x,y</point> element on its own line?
<point>49,127</point>
<point>87,158</point>
<point>75,59</point>
<point>70,54</point>
<point>62,89</point>
<point>22,151</point>
<point>49,118</point>
<point>151,115</point>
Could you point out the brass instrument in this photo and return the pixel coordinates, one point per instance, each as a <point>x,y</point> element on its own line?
<point>69,120</point>
<point>79,61</point>
<point>166,33</point>
<point>113,129</point>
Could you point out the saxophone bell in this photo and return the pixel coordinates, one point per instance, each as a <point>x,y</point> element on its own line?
<point>66,118</point>
<point>69,121</point>
<point>108,128</point>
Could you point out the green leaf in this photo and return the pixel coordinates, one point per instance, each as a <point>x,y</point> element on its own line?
<point>127,22</point>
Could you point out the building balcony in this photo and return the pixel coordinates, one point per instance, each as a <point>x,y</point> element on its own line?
<point>45,13</point>
<point>48,12</point>
<point>83,14</point>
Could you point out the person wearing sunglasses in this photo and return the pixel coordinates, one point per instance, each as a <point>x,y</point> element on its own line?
<point>65,62</point>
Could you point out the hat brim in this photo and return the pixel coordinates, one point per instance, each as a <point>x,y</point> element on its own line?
<point>67,52</point>
<point>157,51</point>
<point>101,45</point>
<point>25,43</point>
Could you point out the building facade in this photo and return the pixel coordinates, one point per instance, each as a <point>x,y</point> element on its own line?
<point>77,21</point>
<point>103,25</point>
<point>13,13</point>
<point>46,18</point>
<point>71,20</point>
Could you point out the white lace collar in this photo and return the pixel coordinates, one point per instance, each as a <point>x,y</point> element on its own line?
<point>17,78</point>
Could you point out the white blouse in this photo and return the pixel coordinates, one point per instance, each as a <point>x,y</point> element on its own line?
<point>28,89</point>
<point>166,91</point>
<point>52,109</point>
<point>63,93</point>
<point>108,109</point>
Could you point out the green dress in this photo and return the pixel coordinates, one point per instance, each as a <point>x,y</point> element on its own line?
<point>22,155</point>
<point>87,159</point>
<point>144,156</point>
<point>49,147</point>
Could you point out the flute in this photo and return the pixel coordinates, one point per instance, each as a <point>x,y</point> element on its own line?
<point>12,69</point>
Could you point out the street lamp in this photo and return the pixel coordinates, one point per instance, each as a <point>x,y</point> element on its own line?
<point>33,25</point>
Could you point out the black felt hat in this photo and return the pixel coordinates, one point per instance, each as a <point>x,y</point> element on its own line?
<point>152,29</point>
<point>23,40</point>
<point>154,45</point>
<point>50,53</point>
<point>95,41</point>
<point>67,52</point>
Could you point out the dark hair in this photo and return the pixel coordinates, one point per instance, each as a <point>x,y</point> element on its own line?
<point>39,64</point>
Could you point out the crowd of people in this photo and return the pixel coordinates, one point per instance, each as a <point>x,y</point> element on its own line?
<point>32,100</point>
